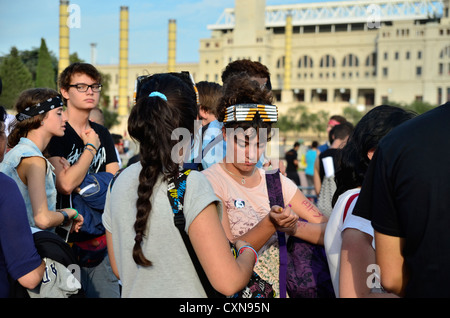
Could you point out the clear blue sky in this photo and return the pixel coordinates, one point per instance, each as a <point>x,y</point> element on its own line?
<point>24,22</point>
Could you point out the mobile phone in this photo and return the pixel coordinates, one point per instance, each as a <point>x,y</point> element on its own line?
<point>64,231</point>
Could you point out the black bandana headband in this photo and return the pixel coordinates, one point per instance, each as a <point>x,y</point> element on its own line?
<point>40,108</point>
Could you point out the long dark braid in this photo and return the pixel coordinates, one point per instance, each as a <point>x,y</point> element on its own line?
<point>152,121</point>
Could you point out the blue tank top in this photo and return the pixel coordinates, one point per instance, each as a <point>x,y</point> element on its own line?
<point>24,149</point>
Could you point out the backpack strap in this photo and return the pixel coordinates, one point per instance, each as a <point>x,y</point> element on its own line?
<point>111,183</point>
<point>176,190</point>
<point>275,193</point>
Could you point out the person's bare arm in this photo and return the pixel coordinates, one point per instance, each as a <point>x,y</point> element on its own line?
<point>226,274</point>
<point>261,232</point>
<point>112,258</point>
<point>32,172</point>
<point>32,279</point>
<point>68,178</point>
<point>357,254</point>
<point>389,257</point>
<point>313,230</point>
<point>112,167</point>
<point>316,176</point>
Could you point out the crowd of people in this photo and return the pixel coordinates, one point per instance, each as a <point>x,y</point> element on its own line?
<point>205,209</point>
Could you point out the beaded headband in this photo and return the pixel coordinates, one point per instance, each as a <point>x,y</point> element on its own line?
<point>40,108</point>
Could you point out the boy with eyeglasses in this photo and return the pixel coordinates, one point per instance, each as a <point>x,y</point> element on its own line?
<point>88,147</point>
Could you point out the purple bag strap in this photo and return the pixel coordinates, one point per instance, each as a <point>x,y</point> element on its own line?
<point>275,193</point>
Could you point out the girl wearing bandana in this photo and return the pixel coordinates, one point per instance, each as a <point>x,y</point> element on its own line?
<point>40,116</point>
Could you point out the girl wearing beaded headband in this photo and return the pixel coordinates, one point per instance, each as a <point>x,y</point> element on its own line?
<point>246,110</point>
<point>39,117</point>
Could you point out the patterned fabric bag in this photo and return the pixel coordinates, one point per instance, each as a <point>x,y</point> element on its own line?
<point>326,196</point>
<point>304,271</point>
<point>308,275</point>
<point>256,288</point>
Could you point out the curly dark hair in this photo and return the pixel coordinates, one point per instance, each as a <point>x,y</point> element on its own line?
<point>251,68</point>
<point>352,159</point>
<point>151,122</point>
<point>241,89</point>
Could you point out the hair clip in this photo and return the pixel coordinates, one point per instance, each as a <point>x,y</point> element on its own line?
<point>158,94</point>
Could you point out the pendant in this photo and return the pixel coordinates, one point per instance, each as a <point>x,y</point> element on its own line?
<point>243,181</point>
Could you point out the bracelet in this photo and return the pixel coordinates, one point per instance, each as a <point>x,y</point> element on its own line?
<point>90,150</point>
<point>251,248</point>
<point>89,144</point>
<point>66,217</point>
<point>76,215</point>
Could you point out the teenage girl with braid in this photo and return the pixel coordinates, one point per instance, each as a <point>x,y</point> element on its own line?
<point>39,117</point>
<point>144,246</point>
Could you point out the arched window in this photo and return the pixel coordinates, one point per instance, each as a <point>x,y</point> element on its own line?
<point>371,59</point>
<point>305,62</point>
<point>350,60</point>
<point>445,53</point>
<point>280,62</point>
<point>327,61</point>
<point>444,61</point>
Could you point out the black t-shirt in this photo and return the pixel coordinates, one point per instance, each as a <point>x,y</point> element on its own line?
<point>71,146</point>
<point>406,193</point>
<point>290,157</point>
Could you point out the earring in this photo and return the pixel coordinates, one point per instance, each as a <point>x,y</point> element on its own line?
<point>42,123</point>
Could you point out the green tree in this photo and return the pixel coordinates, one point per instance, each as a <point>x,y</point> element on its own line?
<point>15,77</point>
<point>420,107</point>
<point>353,115</point>
<point>318,122</point>
<point>45,73</point>
<point>110,117</point>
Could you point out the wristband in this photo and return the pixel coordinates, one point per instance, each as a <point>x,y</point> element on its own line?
<point>66,217</point>
<point>76,215</point>
<point>251,248</point>
<point>90,150</point>
<point>89,144</point>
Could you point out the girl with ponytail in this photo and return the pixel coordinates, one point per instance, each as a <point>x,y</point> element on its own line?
<point>145,248</point>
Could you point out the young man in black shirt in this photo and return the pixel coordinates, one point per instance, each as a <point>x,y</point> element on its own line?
<point>292,164</point>
<point>406,196</point>
<point>89,148</point>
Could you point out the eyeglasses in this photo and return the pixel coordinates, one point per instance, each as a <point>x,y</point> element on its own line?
<point>82,88</point>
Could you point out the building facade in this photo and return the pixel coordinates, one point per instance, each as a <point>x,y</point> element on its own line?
<point>330,55</point>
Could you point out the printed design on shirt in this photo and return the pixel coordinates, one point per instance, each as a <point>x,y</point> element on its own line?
<point>242,217</point>
<point>47,278</point>
<point>99,158</point>
<point>239,203</point>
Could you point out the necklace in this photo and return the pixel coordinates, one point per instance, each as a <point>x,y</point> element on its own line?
<point>233,174</point>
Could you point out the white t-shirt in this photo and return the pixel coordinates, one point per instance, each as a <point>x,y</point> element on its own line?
<point>172,274</point>
<point>333,237</point>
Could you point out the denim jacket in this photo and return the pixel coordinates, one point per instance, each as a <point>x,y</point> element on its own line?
<point>24,149</point>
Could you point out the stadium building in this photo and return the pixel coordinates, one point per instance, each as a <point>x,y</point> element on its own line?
<point>326,55</point>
